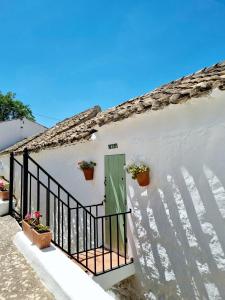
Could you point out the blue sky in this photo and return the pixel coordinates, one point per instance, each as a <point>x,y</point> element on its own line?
<point>62,57</point>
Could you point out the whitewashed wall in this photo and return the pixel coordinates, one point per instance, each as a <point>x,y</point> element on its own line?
<point>14,131</point>
<point>177,228</point>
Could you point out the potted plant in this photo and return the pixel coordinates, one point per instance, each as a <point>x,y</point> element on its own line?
<point>87,168</point>
<point>38,233</point>
<point>27,225</point>
<point>42,236</point>
<point>4,190</point>
<point>139,172</point>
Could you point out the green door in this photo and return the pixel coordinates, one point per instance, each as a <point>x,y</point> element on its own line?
<point>115,200</point>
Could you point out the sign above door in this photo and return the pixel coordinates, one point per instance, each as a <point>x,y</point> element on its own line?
<point>113,146</point>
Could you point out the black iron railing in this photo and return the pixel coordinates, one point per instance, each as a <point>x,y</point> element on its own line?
<point>97,241</point>
<point>16,188</point>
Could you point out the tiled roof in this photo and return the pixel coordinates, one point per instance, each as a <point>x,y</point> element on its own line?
<point>62,133</point>
<point>80,127</point>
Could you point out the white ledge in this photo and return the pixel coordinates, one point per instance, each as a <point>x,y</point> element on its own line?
<point>64,278</point>
<point>4,207</point>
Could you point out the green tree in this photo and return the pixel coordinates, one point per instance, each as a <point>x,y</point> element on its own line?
<point>11,108</point>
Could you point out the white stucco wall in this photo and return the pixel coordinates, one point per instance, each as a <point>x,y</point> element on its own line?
<point>177,225</point>
<point>14,131</point>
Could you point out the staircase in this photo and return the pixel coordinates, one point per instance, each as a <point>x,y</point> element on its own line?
<point>97,242</point>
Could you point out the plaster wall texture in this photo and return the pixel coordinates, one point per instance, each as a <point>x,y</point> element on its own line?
<point>14,131</point>
<point>176,230</point>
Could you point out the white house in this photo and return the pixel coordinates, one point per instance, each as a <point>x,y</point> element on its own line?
<point>176,228</point>
<point>13,131</point>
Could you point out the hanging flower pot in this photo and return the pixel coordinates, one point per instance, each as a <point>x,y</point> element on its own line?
<point>88,173</point>
<point>143,178</point>
<point>139,172</point>
<point>87,168</point>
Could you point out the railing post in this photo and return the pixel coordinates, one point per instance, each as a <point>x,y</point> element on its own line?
<point>95,246</point>
<point>25,183</point>
<point>69,230</point>
<point>11,181</point>
<point>48,204</point>
<point>125,238</point>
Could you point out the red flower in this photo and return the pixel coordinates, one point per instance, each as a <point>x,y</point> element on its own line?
<point>37,214</point>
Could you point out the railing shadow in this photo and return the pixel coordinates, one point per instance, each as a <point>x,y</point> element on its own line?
<point>178,236</point>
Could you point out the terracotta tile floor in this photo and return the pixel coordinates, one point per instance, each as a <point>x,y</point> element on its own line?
<point>99,260</point>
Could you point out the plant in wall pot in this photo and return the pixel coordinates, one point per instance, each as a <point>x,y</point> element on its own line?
<point>87,168</point>
<point>39,234</point>
<point>139,172</point>
<point>4,190</point>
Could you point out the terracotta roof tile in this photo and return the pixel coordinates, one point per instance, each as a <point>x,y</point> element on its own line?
<point>80,127</point>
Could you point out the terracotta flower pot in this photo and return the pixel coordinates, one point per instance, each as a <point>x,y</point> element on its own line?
<point>143,178</point>
<point>42,240</point>
<point>88,173</point>
<point>27,229</point>
<point>4,195</point>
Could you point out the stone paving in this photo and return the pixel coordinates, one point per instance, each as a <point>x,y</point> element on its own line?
<point>17,279</point>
